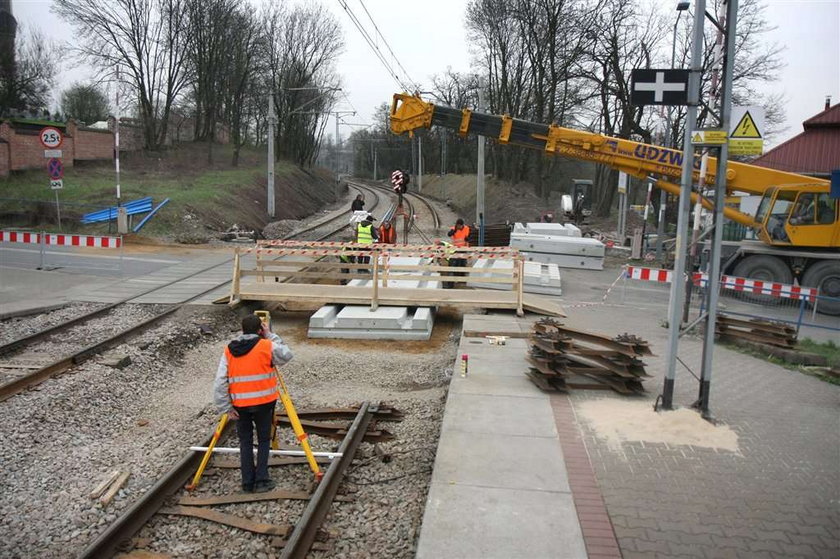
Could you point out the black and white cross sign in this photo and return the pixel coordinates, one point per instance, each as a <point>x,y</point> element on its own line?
<point>659,87</point>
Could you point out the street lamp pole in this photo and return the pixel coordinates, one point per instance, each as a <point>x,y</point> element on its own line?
<point>669,139</point>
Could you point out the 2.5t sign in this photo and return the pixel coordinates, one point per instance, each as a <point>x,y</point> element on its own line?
<point>51,137</point>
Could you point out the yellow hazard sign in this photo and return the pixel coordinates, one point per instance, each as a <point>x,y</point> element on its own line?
<point>746,132</point>
<point>746,128</point>
<point>709,137</point>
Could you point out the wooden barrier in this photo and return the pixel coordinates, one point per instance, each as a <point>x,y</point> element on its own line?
<point>311,273</point>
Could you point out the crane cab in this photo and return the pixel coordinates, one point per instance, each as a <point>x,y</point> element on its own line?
<point>799,216</point>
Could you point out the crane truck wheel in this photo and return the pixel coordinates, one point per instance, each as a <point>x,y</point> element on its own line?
<point>825,276</point>
<point>765,268</point>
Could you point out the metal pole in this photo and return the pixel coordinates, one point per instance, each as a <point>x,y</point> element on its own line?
<point>622,205</point>
<point>663,195</point>
<point>117,137</point>
<point>43,251</point>
<point>720,194</point>
<point>479,198</point>
<point>419,163</point>
<point>677,286</point>
<point>375,162</point>
<point>443,152</point>
<point>270,182</point>
<point>57,210</point>
<point>337,147</point>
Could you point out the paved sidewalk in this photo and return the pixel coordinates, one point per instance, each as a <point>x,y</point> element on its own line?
<point>778,496</point>
<point>500,487</point>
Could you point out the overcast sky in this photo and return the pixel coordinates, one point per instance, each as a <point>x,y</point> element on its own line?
<point>428,37</point>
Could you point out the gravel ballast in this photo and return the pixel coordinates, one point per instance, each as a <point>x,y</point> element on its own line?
<point>73,430</point>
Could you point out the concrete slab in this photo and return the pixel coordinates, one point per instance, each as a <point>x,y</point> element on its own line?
<point>500,415</point>
<point>556,229</point>
<point>577,246</point>
<point>471,522</point>
<point>539,277</point>
<point>358,322</point>
<point>506,385</point>
<point>473,459</point>
<point>565,260</point>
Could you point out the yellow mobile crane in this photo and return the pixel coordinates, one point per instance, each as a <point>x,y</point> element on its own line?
<point>797,221</point>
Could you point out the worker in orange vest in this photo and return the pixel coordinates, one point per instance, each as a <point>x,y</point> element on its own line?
<point>246,389</point>
<point>459,234</point>
<point>387,233</point>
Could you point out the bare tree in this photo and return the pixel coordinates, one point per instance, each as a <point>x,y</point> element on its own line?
<point>28,73</point>
<point>147,40</point>
<point>305,44</point>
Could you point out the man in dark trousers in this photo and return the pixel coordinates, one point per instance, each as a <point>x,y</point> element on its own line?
<point>246,389</point>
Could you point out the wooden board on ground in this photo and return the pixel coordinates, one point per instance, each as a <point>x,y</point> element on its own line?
<point>228,520</point>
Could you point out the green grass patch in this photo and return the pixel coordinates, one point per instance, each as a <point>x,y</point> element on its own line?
<point>829,350</point>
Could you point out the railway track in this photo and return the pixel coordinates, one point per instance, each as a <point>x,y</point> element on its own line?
<point>22,361</point>
<point>410,207</point>
<point>295,540</point>
<point>316,228</point>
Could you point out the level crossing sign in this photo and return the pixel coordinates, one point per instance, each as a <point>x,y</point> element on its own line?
<point>659,87</point>
<point>55,169</point>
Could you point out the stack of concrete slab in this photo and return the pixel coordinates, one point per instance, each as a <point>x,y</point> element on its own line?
<point>555,243</point>
<point>539,277</point>
<point>358,322</point>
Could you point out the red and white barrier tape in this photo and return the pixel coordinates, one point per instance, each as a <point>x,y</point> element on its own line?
<point>758,287</point>
<point>58,239</point>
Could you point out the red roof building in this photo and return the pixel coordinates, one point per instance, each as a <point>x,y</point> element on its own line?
<point>816,151</point>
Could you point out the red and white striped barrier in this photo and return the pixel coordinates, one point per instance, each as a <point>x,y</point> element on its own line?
<point>58,239</point>
<point>779,290</point>
<point>758,287</point>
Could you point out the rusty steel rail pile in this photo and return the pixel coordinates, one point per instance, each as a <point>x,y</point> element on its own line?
<point>352,425</point>
<point>759,331</point>
<point>563,358</point>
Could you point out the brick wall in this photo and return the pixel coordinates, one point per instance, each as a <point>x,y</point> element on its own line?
<point>91,143</point>
<point>4,158</point>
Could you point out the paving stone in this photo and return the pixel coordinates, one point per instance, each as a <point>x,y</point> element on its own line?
<point>776,490</point>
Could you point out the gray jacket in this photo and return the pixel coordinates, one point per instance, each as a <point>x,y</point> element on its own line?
<point>280,355</point>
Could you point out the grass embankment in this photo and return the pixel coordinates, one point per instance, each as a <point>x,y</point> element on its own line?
<point>204,197</point>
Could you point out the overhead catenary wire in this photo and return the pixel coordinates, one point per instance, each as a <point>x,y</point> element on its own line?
<point>388,46</point>
<point>376,50</point>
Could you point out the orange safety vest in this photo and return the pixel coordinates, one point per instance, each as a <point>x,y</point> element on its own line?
<point>388,236</point>
<point>459,238</point>
<point>251,378</point>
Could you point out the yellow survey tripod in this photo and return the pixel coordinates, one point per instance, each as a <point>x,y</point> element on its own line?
<point>286,399</point>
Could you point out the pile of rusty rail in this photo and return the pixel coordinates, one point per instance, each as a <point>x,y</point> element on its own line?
<point>352,425</point>
<point>563,358</point>
<point>759,331</point>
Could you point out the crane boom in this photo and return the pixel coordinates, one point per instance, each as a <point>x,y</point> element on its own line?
<point>637,159</point>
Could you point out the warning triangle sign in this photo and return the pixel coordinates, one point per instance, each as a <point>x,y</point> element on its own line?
<point>746,128</point>
<point>697,138</point>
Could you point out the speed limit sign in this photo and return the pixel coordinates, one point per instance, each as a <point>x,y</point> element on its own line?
<point>50,137</point>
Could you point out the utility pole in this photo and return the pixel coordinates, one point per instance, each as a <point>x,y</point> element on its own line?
<point>375,162</point>
<point>419,163</point>
<point>122,217</point>
<point>720,195</point>
<point>270,185</point>
<point>443,147</point>
<point>669,139</point>
<point>479,198</point>
<point>677,285</point>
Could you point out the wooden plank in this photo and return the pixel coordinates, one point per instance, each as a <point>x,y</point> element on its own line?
<point>99,489</point>
<point>251,498</point>
<point>112,491</point>
<point>228,520</point>
<point>485,333</point>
